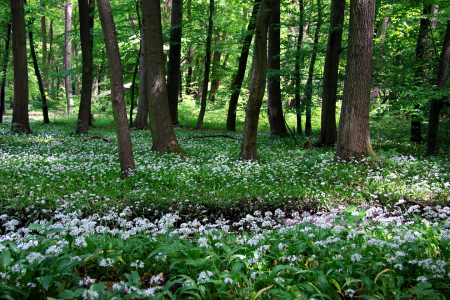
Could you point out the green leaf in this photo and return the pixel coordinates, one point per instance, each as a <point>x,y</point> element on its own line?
<point>34,226</point>
<point>5,259</point>
<point>67,294</point>
<point>368,297</point>
<point>45,281</point>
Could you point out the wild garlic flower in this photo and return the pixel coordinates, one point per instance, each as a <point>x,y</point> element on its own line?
<point>204,277</point>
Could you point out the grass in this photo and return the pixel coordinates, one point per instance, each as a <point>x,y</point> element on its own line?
<point>294,224</point>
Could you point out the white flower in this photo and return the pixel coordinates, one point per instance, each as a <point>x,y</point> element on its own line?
<point>106,262</point>
<point>356,257</point>
<point>279,280</point>
<point>422,278</point>
<point>203,242</point>
<point>35,256</point>
<point>204,276</point>
<point>350,293</point>
<point>228,280</point>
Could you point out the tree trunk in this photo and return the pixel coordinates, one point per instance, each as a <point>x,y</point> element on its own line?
<point>297,76</point>
<point>237,83</point>
<point>133,86</point>
<point>20,121</point>
<point>39,78</point>
<point>190,56</point>
<point>353,135</point>
<point>163,134</point>
<point>438,104</point>
<point>275,107</point>
<point>207,67</point>
<point>173,68</point>
<point>67,50</point>
<point>248,149</point>
<point>4,70</point>
<point>215,76</point>
<point>126,159</point>
<point>51,62</point>
<point>309,87</point>
<point>86,12</point>
<point>141,121</point>
<point>45,65</point>
<point>328,132</point>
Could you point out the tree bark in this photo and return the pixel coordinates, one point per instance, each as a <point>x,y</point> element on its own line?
<point>86,12</point>
<point>126,158</point>
<point>207,67</point>
<point>248,149</point>
<point>39,78</point>
<point>67,51</point>
<point>133,86</point>
<point>297,76</point>
<point>51,62</point>
<point>173,68</point>
<point>190,56</point>
<point>275,107</point>
<point>309,87</point>
<point>163,134</point>
<point>214,70</point>
<point>328,132</point>
<point>237,83</point>
<point>45,65</point>
<point>20,121</point>
<point>353,135</point>
<point>141,121</point>
<point>438,104</point>
<point>4,70</point>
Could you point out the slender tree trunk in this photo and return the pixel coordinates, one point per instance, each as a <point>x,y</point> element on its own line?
<point>328,132</point>
<point>275,107</point>
<point>298,59</point>
<point>141,121</point>
<point>117,91</point>
<point>309,86</point>
<point>190,56</point>
<point>207,67</point>
<point>39,78</point>
<point>163,134</point>
<point>133,86</point>
<point>237,83</point>
<point>4,70</point>
<point>51,62</point>
<point>86,11</point>
<point>353,135</point>
<point>45,65</point>
<point>215,69</point>
<point>174,66</point>
<point>438,104</point>
<point>67,49</point>
<point>20,121</point>
<point>248,149</point>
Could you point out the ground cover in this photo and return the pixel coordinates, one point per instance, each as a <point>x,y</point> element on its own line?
<point>207,225</point>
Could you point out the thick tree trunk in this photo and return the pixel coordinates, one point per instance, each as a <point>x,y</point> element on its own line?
<point>275,107</point>
<point>201,115</point>
<point>438,104</point>
<point>126,159</point>
<point>86,11</point>
<point>20,121</point>
<point>309,87</point>
<point>4,70</point>
<point>163,134</point>
<point>39,78</point>
<point>297,75</point>
<point>237,83</point>
<point>353,136</point>
<point>67,51</point>
<point>328,132</point>
<point>173,68</point>
<point>248,149</point>
<point>141,121</point>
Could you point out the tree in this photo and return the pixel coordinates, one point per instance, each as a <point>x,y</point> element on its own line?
<point>67,49</point>
<point>163,134</point>
<point>301,34</point>
<point>353,135</point>
<point>438,104</point>
<point>39,77</point>
<point>20,121</point>
<point>248,149</point>
<point>141,121</point>
<point>173,69</point>
<point>207,66</point>
<point>86,12</point>
<point>117,91</point>
<point>275,107</point>
<point>328,132</point>
<point>309,86</point>
<point>190,57</point>
<point>237,83</point>
<point>4,70</point>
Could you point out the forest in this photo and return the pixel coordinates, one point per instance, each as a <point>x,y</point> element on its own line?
<point>223,149</point>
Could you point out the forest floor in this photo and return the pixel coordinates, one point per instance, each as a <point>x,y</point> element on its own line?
<point>216,225</point>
